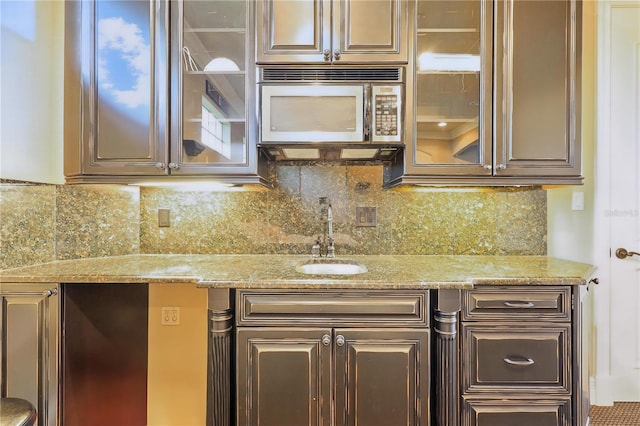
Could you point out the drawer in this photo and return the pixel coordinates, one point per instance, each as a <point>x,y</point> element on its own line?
<point>326,307</point>
<point>516,412</point>
<point>525,302</point>
<point>516,358</point>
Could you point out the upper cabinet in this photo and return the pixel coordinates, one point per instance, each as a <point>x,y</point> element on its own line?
<point>213,120</point>
<point>156,89</point>
<point>497,93</point>
<point>332,31</point>
<point>537,89</point>
<point>115,107</point>
<point>453,70</point>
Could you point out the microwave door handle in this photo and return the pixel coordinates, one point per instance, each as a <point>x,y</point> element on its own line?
<point>367,112</point>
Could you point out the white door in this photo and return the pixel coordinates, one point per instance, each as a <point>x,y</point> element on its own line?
<point>617,298</point>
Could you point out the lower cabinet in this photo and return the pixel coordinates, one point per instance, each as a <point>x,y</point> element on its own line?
<point>518,349</point>
<point>29,346</point>
<point>284,376</point>
<point>343,373</point>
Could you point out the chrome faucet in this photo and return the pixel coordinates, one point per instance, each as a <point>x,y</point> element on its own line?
<point>329,251</point>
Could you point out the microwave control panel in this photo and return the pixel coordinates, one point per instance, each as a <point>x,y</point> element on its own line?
<point>386,122</point>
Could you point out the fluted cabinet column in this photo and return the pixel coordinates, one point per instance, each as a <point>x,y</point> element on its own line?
<point>220,359</point>
<point>446,358</point>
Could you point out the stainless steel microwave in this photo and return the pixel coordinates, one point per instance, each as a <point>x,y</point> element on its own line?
<point>332,106</point>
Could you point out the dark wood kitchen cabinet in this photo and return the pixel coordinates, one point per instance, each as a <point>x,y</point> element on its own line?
<point>497,94</point>
<point>157,90</point>
<point>301,353</point>
<point>116,79</point>
<point>332,31</point>
<point>291,375</point>
<point>522,357</point>
<point>29,346</point>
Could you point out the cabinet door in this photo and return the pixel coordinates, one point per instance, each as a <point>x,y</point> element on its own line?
<point>326,31</point>
<point>284,376</point>
<point>29,347</point>
<point>452,90</point>
<point>382,377</point>
<point>537,109</point>
<point>213,129</point>
<point>370,31</point>
<point>115,88</point>
<point>290,31</point>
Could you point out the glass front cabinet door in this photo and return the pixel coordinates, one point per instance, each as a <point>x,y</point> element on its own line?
<point>497,93</point>
<point>115,103</point>
<point>157,88</point>
<point>453,88</point>
<point>213,124</point>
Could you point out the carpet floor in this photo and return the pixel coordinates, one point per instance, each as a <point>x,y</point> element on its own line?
<point>620,414</point>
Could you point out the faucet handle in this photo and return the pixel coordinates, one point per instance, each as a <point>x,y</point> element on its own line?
<point>331,249</point>
<point>315,248</point>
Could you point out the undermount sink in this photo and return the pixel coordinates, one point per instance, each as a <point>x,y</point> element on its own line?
<point>324,266</point>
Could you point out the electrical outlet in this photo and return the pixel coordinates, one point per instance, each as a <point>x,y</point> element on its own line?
<point>366,216</point>
<point>170,315</point>
<point>164,218</point>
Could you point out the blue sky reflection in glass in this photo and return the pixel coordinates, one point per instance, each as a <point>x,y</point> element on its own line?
<point>124,61</point>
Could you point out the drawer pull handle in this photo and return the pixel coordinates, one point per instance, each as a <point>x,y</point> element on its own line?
<point>520,362</point>
<point>519,304</point>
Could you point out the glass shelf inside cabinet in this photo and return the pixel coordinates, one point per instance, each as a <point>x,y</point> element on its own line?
<point>448,82</point>
<point>213,82</point>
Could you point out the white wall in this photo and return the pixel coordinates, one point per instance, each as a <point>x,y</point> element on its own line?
<point>31,90</point>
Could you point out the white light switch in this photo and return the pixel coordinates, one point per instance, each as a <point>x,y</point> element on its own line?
<point>577,200</point>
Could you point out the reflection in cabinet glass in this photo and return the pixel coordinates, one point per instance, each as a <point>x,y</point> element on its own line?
<point>124,90</point>
<point>115,110</point>
<point>213,83</point>
<point>449,72</point>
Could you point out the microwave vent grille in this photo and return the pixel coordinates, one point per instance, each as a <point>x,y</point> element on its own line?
<point>332,74</point>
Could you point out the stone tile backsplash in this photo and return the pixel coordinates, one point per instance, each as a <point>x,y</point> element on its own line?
<point>97,220</point>
<point>41,223</point>
<point>27,224</point>
<point>288,218</point>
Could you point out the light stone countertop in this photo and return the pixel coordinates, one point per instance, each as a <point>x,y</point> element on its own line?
<point>278,271</point>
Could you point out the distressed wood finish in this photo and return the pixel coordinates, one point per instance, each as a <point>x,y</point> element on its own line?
<point>518,356</point>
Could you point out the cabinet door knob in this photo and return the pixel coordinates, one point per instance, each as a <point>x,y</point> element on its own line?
<point>327,54</point>
<point>340,340</point>
<point>326,340</point>
<point>160,166</point>
<point>50,292</point>
<point>487,167</point>
<point>174,166</point>
<point>500,167</point>
<point>336,55</point>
